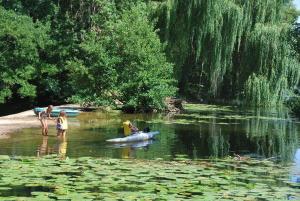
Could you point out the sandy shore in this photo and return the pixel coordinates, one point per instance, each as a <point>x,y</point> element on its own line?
<point>26,119</point>
<point>11,123</point>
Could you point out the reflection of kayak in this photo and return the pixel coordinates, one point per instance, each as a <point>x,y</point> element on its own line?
<point>140,136</point>
<point>55,112</point>
<point>132,144</point>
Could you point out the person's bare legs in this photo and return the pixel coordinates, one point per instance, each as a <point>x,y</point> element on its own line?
<point>43,126</point>
<point>61,133</point>
<point>46,127</point>
<point>64,132</point>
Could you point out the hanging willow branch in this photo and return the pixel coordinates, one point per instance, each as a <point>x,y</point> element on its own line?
<point>231,45</point>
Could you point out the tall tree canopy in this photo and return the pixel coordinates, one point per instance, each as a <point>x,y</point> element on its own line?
<point>232,49</point>
<point>20,43</point>
<point>96,52</point>
<point>135,51</point>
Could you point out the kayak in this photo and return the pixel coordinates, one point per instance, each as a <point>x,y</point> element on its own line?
<point>55,112</point>
<point>140,136</point>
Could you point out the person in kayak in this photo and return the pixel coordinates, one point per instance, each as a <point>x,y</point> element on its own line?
<point>43,116</point>
<point>129,128</point>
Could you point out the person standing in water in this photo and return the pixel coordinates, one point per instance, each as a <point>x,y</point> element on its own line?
<point>62,124</point>
<point>43,116</point>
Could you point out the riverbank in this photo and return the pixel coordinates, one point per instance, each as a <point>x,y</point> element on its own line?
<point>14,122</point>
<point>26,119</point>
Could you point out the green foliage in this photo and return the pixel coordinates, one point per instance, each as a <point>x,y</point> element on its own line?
<point>219,46</point>
<point>278,69</point>
<point>124,62</point>
<point>94,52</point>
<point>145,77</point>
<point>93,76</point>
<point>99,51</point>
<point>36,9</point>
<point>20,43</point>
<point>294,104</point>
<point>295,35</point>
<point>290,13</point>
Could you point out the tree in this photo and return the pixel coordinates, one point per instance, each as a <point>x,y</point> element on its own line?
<point>124,61</point>
<point>93,75</point>
<point>231,49</point>
<point>145,77</point>
<point>20,43</point>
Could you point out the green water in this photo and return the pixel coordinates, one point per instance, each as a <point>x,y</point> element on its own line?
<point>203,131</point>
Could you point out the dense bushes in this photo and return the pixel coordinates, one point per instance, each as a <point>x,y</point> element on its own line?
<point>294,104</point>
<point>20,43</point>
<point>89,52</point>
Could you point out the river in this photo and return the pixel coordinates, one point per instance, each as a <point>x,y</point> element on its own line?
<point>202,131</point>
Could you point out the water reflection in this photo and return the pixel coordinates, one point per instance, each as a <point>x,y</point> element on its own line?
<point>140,144</point>
<point>128,150</point>
<point>43,149</point>
<point>273,135</point>
<point>59,148</point>
<point>196,133</point>
<point>257,134</point>
<point>62,147</point>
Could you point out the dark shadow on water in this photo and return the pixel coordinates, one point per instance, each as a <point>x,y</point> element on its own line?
<point>24,191</point>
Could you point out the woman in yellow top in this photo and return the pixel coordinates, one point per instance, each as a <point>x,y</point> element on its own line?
<point>129,128</point>
<point>62,124</point>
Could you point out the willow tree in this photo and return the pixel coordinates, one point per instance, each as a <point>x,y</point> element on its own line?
<point>231,48</point>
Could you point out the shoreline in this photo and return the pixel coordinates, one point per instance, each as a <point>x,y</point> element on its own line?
<point>26,119</point>
<point>14,122</point>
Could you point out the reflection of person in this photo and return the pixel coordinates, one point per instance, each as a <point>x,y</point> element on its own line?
<point>129,128</point>
<point>62,124</point>
<point>43,116</point>
<point>43,149</point>
<point>62,148</point>
<point>127,152</point>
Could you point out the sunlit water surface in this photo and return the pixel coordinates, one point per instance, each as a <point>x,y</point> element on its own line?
<point>201,132</point>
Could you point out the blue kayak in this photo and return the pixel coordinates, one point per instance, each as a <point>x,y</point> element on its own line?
<point>55,112</point>
<point>139,136</point>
